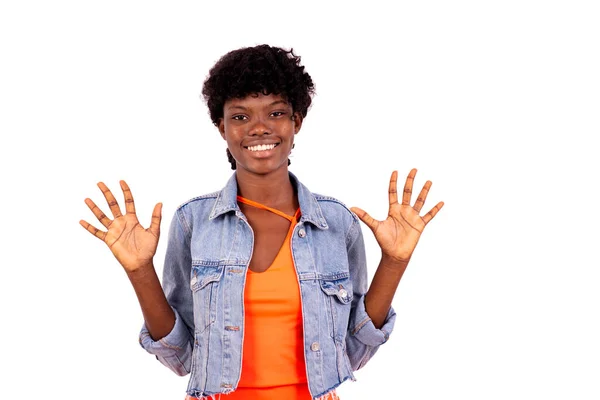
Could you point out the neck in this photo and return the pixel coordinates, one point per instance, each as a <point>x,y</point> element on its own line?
<point>273,190</point>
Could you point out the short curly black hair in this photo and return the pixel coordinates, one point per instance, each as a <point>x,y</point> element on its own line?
<point>261,69</point>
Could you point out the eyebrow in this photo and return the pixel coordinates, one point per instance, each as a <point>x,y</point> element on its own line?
<point>270,105</point>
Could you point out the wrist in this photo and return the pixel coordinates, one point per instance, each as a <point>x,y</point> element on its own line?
<point>393,262</point>
<point>141,272</point>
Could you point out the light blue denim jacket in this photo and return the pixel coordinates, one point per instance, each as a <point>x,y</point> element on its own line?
<point>209,249</point>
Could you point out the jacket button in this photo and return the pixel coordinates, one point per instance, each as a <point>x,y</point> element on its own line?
<point>343,293</point>
<point>315,346</point>
<point>301,233</point>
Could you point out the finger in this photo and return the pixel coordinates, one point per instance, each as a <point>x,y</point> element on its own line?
<point>393,190</point>
<point>110,199</point>
<point>156,218</point>
<point>366,218</point>
<point>104,220</point>
<point>129,203</point>
<point>408,187</point>
<point>422,196</point>
<point>91,229</point>
<point>429,216</point>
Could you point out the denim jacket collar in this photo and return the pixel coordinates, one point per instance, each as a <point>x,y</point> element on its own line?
<point>311,211</point>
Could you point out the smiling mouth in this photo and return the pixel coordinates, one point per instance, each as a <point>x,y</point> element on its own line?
<point>262,147</point>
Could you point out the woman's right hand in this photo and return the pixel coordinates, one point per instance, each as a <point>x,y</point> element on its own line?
<point>132,245</point>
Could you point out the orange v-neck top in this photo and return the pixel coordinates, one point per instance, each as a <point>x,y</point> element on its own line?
<point>273,354</point>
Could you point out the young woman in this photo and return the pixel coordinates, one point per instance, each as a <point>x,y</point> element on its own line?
<point>264,292</point>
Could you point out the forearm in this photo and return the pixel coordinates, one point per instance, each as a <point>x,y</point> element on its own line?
<point>157,312</point>
<point>378,299</point>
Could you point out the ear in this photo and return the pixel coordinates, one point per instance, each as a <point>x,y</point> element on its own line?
<point>297,118</point>
<point>221,126</point>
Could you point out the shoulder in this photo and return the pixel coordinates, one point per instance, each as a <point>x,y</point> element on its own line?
<point>331,205</point>
<point>340,219</point>
<point>200,201</point>
<point>195,210</point>
<point>319,208</point>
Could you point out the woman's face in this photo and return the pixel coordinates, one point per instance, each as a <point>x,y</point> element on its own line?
<point>259,131</point>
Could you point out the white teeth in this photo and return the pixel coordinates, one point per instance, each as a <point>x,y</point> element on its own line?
<point>261,147</point>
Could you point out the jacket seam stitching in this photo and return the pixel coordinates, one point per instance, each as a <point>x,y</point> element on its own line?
<point>360,325</point>
<point>184,224</point>
<point>207,196</point>
<point>164,343</point>
<point>351,230</point>
<point>322,198</point>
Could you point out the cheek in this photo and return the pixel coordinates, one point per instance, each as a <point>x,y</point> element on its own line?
<point>288,130</point>
<point>233,146</point>
<point>232,134</point>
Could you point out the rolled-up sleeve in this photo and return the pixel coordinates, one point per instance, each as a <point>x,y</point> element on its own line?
<point>175,349</point>
<point>363,338</point>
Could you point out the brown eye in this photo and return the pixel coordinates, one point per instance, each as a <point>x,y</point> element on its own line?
<point>277,113</point>
<point>239,117</point>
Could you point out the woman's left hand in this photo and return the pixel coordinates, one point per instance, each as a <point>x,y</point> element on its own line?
<point>399,233</point>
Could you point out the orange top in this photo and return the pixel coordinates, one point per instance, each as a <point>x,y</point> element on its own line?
<point>273,355</point>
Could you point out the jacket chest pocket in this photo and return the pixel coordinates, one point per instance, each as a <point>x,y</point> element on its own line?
<point>338,300</point>
<point>204,283</point>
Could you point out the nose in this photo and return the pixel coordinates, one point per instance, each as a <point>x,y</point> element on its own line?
<point>260,128</point>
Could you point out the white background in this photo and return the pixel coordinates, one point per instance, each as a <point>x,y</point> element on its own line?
<point>496,102</point>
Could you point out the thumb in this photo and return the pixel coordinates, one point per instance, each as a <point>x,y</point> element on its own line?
<point>365,217</point>
<point>156,218</point>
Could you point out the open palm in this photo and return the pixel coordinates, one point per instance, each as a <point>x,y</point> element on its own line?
<point>399,233</point>
<point>132,244</point>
